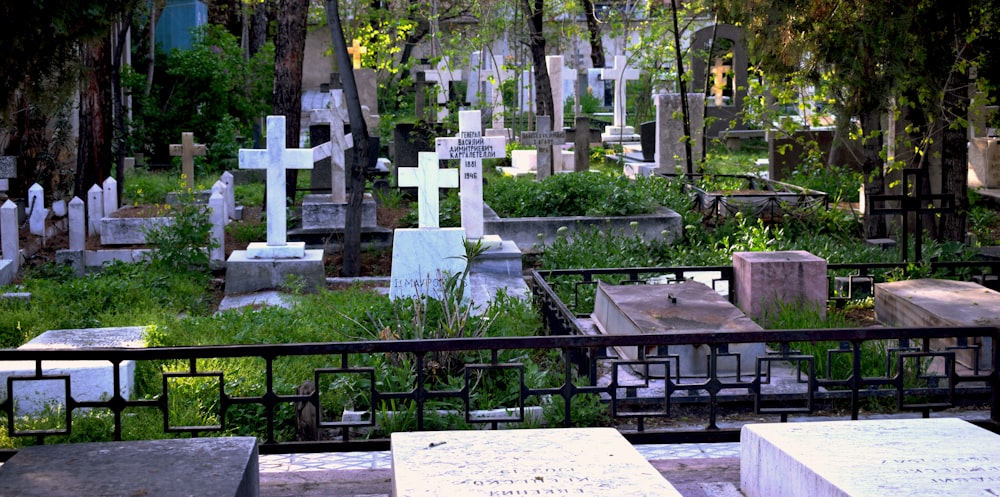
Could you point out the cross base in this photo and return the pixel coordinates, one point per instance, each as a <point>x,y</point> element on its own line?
<point>619,134</point>
<point>490,242</point>
<point>290,250</point>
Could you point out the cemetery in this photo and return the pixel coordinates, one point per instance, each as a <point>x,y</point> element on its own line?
<point>436,251</point>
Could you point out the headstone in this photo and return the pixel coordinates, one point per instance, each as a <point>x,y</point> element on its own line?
<point>544,139</point>
<point>984,162</point>
<point>8,233</point>
<point>95,210</point>
<point>209,467</point>
<point>473,87</point>
<point>275,159</point>
<point>766,280</point>
<point>719,81</point>
<point>670,151</point>
<point>722,116</point>
<point>684,306</point>
<point>620,75</point>
<point>356,51</point>
<point>554,64</point>
<point>37,213</point>
<point>483,463</point>
<point>423,259</point>
<point>647,140</point>
<point>367,84</point>
<point>470,147</point>
<point>227,179</point>
<point>187,150</point>
<point>421,109</point>
<point>336,117</point>
<point>129,166</point>
<point>428,178</point>
<point>77,224</point>
<point>218,217</point>
<point>443,75</point>
<point>493,75</point>
<point>581,144</point>
<point>8,171</point>
<point>884,458</point>
<point>110,196</point>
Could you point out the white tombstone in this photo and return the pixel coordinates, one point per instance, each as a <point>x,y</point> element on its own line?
<point>473,85</point>
<point>227,178</point>
<point>36,209</point>
<point>77,224</point>
<point>620,75</point>
<point>428,178</point>
<point>95,210</point>
<point>275,159</point>
<point>554,64</point>
<point>339,143</point>
<point>443,75</point>
<point>218,216</point>
<point>471,147</point>
<point>8,233</point>
<point>493,74</point>
<point>58,208</point>
<point>110,196</point>
<point>220,188</point>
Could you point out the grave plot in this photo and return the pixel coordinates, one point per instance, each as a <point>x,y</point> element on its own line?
<point>765,199</point>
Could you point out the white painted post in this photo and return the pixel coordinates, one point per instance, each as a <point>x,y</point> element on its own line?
<point>110,196</point>
<point>554,64</point>
<point>220,188</point>
<point>428,178</point>
<point>217,205</point>
<point>621,75</point>
<point>95,210</point>
<point>77,225</point>
<point>227,178</point>
<point>36,207</point>
<point>8,232</point>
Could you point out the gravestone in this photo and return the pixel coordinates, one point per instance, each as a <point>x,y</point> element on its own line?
<point>10,251</point>
<point>473,81</point>
<point>367,84</point>
<point>471,147</point>
<point>766,280</point>
<point>443,75</point>
<point>492,75</point>
<point>187,150</point>
<point>877,458</point>
<point>984,162</point>
<point>421,109</point>
<point>37,213</point>
<point>8,171</point>
<point>428,179</point>
<point>722,115</point>
<point>684,306</point>
<point>620,75</point>
<point>482,463</point>
<point>206,467</point>
<point>546,141</point>
<point>110,196</point>
<point>670,151</point>
<point>269,265</point>
<point>95,210</point>
<point>77,224</point>
<point>581,144</point>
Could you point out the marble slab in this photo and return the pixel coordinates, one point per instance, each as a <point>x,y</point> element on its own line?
<point>571,461</point>
<point>879,458</point>
<point>422,257</point>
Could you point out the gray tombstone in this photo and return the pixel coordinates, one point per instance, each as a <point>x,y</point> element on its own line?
<point>544,139</point>
<point>730,111</point>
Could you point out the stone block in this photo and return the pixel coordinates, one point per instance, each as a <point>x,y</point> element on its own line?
<point>206,467</point>
<point>129,230</point>
<point>98,258</point>
<point>422,258</point>
<point>321,212</point>
<point>941,303</point>
<point>984,163</point>
<point>8,167</point>
<point>765,280</point>
<point>8,270</point>
<point>561,461</point>
<point>245,274</point>
<point>504,260</point>
<point>884,458</point>
<point>73,259</point>
<point>88,380</point>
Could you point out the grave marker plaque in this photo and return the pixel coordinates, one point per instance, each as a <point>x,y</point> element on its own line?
<point>544,139</point>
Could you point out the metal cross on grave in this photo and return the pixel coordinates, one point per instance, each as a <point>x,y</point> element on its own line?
<point>187,150</point>
<point>910,201</point>
<point>428,178</point>
<point>356,51</point>
<point>471,147</point>
<point>275,159</point>
<point>543,139</point>
<point>621,76</point>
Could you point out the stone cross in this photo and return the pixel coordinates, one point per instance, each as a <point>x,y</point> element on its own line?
<point>428,178</point>
<point>187,150</point>
<point>719,80</point>
<point>443,76</point>
<point>275,159</point>
<point>544,139</point>
<point>471,147</point>
<point>356,51</point>
<point>339,143</point>
<point>620,74</point>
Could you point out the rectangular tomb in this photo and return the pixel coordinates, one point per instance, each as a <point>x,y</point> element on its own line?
<point>883,458</point>
<point>206,467</point>
<point>685,306</point>
<point>573,461</point>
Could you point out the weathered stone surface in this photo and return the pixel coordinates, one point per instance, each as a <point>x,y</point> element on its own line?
<point>245,274</point>
<point>765,280</point>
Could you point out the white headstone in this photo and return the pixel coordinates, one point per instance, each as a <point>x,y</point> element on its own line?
<point>670,150</point>
<point>554,64</point>
<point>473,85</point>
<point>95,210</point>
<point>220,188</point>
<point>227,178</point>
<point>883,458</point>
<point>59,208</point>
<point>218,216</point>
<point>428,178</point>
<point>37,211</point>
<point>275,159</point>
<point>443,75</point>
<point>77,224</point>
<point>620,75</point>
<point>493,74</point>
<point>8,232</point>
<point>110,196</point>
<point>471,148</point>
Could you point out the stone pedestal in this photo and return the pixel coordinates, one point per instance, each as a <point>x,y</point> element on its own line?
<point>503,260</point>
<point>566,461</point>
<point>321,212</point>
<point>245,274</point>
<point>885,458</point>
<point>619,134</point>
<point>765,280</point>
<point>984,163</point>
<point>422,258</point>
<point>207,467</point>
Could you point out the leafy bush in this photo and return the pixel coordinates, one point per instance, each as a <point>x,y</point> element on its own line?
<point>182,245</point>
<point>576,194</point>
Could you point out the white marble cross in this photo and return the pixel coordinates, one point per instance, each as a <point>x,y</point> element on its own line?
<point>187,150</point>
<point>443,76</point>
<point>339,142</point>
<point>471,147</point>
<point>620,74</point>
<point>275,159</point>
<point>428,178</point>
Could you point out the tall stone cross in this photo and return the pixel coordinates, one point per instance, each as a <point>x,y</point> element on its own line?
<point>471,147</point>
<point>275,159</point>
<point>187,150</point>
<point>621,75</point>
<point>443,75</point>
<point>356,51</point>
<point>339,142</point>
<point>428,178</point>
<point>544,139</point>
<point>718,80</point>
<point>420,108</point>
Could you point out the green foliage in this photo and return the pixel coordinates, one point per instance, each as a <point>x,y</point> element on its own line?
<point>840,183</point>
<point>577,194</point>
<point>182,245</point>
<point>246,231</point>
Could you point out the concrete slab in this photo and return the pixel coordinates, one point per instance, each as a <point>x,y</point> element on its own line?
<point>684,306</point>
<point>940,303</point>
<point>269,298</point>
<point>206,467</point>
<point>886,458</point>
<point>578,461</point>
<point>321,212</point>
<point>764,280</point>
<point>246,275</point>
<point>504,260</point>
<point>421,257</point>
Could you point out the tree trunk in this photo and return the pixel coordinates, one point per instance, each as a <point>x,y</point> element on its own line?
<point>93,160</point>
<point>954,163</point>
<point>258,28</point>
<point>594,28</point>
<point>289,52</point>
<point>359,130</point>
<point>874,226</point>
<point>536,42</point>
